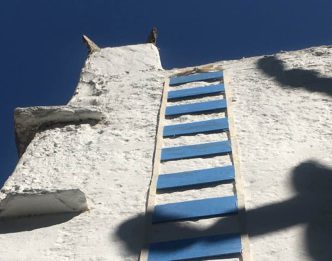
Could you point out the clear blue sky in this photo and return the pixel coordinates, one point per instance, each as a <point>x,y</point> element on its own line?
<point>42,52</point>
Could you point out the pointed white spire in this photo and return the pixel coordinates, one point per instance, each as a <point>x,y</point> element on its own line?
<point>90,44</point>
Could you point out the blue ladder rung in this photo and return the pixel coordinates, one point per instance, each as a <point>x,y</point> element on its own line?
<point>194,151</point>
<point>198,107</point>
<point>196,127</point>
<point>202,208</point>
<point>197,91</point>
<point>195,177</point>
<point>208,76</point>
<point>194,248</point>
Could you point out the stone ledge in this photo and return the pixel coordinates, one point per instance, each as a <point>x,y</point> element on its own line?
<point>31,119</point>
<point>41,202</point>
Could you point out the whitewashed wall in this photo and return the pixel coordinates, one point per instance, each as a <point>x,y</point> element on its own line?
<point>282,107</point>
<point>109,161</point>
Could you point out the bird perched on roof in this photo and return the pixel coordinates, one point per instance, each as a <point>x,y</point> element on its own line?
<point>153,36</point>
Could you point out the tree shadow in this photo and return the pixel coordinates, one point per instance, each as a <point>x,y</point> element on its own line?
<point>20,224</point>
<point>311,206</point>
<point>132,233</point>
<point>294,78</point>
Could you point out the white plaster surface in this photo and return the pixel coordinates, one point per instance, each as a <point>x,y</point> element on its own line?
<point>284,132</point>
<point>109,161</point>
<point>282,108</point>
<point>30,120</point>
<point>281,130</point>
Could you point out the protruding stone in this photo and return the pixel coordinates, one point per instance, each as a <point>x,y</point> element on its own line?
<point>31,119</point>
<point>92,47</point>
<point>41,202</point>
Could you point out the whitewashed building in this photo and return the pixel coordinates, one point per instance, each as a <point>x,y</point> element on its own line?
<point>88,184</point>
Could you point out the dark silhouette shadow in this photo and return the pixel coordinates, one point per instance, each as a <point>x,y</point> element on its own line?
<point>20,224</point>
<point>294,78</point>
<point>312,207</point>
<point>132,232</point>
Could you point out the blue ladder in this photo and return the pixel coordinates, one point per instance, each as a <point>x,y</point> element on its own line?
<point>224,245</point>
<point>195,92</point>
<point>196,127</point>
<point>209,76</point>
<point>196,248</point>
<point>211,207</point>
<point>195,178</point>
<point>193,108</point>
<point>196,151</point>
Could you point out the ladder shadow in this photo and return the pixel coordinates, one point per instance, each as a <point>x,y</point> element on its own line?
<point>311,207</point>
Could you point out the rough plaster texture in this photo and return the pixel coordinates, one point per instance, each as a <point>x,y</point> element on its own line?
<point>30,120</point>
<point>282,107</point>
<point>109,161</point>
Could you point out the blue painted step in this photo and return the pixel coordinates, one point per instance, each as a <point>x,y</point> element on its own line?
<point>195,107</point>
<point>197,91</point>
<point>196,127</point>
<point>194,209</point>
<point>194,151</point>
<point>195,177</point>
<point>194,248</point>
<point>208,76</point>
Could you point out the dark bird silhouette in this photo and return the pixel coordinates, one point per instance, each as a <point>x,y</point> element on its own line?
<point>153,36</point>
